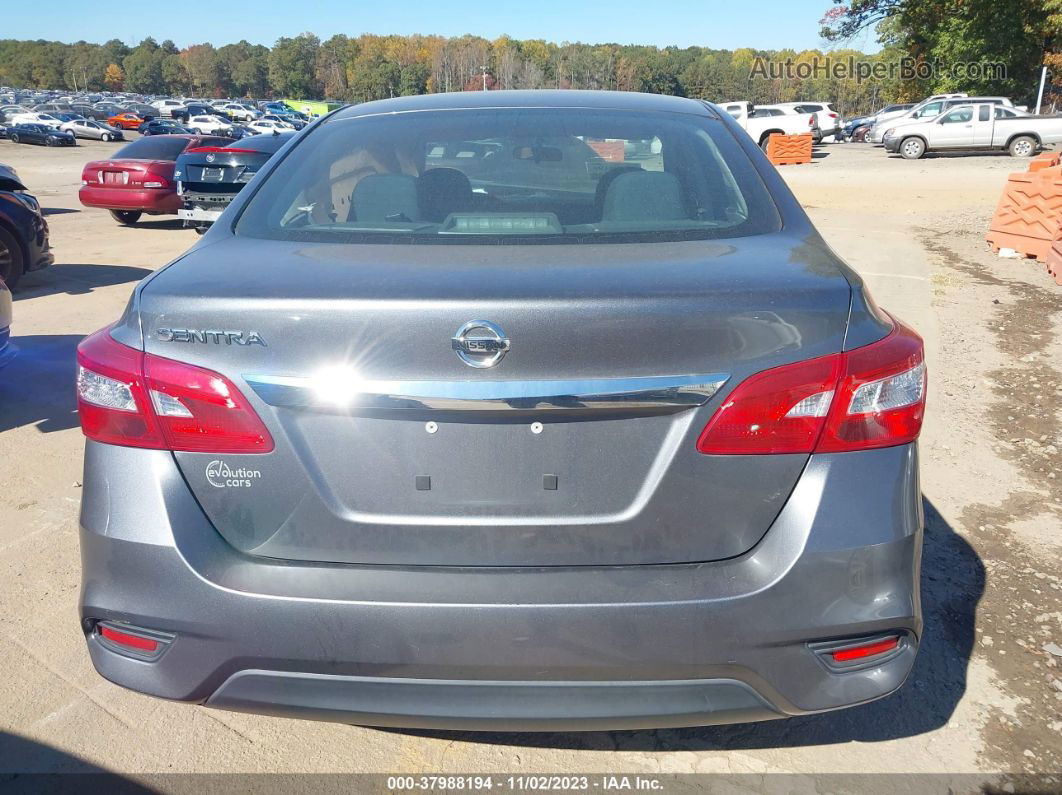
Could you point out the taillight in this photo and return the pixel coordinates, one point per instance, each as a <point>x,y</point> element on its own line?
<point>130,398</point>
<point>865,398</point>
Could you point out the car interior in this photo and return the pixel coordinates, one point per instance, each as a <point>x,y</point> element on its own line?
<point>558,182</point>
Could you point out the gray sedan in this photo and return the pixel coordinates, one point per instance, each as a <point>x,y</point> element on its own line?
<point>96,130</point>
<point>505,410</point>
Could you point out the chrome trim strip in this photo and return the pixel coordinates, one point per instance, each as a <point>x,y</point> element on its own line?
<point>653,392</point>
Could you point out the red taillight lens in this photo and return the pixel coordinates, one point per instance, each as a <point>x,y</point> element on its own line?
<point>869,650</point>
<point>865,398</point>
<point>129,398</point>
<point>777,411</point>
<point>881,399</point>
<point>129,641</point>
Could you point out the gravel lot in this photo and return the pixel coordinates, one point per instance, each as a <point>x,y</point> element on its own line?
<point>985,697</point>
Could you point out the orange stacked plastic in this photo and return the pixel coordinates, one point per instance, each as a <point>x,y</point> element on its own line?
<point>788,150</point>
<point>1044,160</point>
<point>1054,258</point>
<point>1029,212</point>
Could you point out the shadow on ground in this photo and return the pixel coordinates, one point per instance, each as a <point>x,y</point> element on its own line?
<point>75,279</point>
<point>953,580</point>
<point>37,388</point>
<point>30,766</point>
<point>58,210</point>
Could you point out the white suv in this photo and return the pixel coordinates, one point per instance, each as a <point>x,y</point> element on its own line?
<point>241,112</point>
<point>826,116</point>
<point>166,106</point>
<point>213,125</point>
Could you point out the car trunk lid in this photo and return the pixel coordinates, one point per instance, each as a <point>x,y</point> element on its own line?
<point>576,448</point>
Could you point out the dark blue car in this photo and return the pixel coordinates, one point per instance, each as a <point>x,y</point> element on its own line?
<point>40,134</point>
<point>162,127</point>
<point>23,231</point>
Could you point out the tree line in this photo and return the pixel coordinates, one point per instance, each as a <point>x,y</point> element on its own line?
<point>366,67</point>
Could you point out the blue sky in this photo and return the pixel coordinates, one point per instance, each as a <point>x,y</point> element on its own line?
<point>766,24</point>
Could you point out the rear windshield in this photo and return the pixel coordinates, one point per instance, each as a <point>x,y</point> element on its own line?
<point>155,147</point>
<point>513,175</point>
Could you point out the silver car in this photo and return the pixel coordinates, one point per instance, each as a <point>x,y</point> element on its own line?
<point>543,410</point>
<point>94,130</point>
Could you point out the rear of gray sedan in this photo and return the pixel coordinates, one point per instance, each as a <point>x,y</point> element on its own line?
<point>506,410</point>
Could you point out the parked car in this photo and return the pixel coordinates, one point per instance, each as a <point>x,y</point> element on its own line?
<point>108,109</point>
<point>139,178</point>
<point>163,127</point>
<point>40,134</point>
<point>860,133</point>
<point>238,111</point>
<point>762,121</point>
<point>209,124</point>
<point>284,122</point>
<point>143,110</point>
<point>238,131</point>
<point>24,242</point>
<point>210,177</point>
<point>333,475</point>
<point>851,125</point>
<point>826,116</point>
<point>981,125</point>
<point>8,350</point>
<point>126,121</point>
<point>89,128</point>
<point>165,107</point>
<point>32,117</point>
<point>198,109</point>
<point>268,126</point>
<point>927,110</point>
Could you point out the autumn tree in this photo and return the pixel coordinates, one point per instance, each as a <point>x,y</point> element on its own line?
<point>113,77</point>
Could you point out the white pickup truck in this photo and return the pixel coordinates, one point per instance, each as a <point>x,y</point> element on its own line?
<point>975,126</point>
<point>760,121</point>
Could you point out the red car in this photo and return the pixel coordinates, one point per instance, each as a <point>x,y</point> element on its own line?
<point>126,121</point>
<point>139,178</point>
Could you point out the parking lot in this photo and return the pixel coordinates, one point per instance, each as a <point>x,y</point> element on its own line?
<point>985,696</point>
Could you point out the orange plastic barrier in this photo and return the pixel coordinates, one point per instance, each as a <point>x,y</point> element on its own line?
<point>1045,160</point>
<point>1054,260</point>
<point>610,151</point>
<point>1029,213</point>
<point>789,150</point>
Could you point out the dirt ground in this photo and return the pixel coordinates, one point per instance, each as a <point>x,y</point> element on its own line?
<point>985,696</point>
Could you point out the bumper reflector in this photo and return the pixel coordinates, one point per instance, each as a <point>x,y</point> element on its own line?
<point>131,641</point>
<point>868,650</point>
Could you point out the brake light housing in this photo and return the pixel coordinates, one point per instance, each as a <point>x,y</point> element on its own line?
<point>865,398</point>
<point>136,399</point>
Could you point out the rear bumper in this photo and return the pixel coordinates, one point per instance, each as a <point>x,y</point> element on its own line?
<point>549,648</point>
<point>148,200</point>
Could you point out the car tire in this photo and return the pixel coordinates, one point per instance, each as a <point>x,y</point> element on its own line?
<point>126,217</point>
<point>49,142</point>
<point>912,148</point>
<point>200,230</point>
<point>197,131</point>
<point>1022,146</point>
<point>11,264</point>
<point>14,138</point>
<point>106,137</point>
